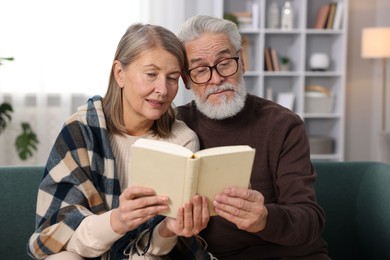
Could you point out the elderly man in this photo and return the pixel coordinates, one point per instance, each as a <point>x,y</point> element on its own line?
<point>277,217</point>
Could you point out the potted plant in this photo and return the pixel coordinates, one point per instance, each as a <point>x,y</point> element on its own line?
<point>231,17</point>
<point>26,142</point>
<point>284,63</point>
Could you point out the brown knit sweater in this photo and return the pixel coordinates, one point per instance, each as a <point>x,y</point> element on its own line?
<point>282,172</point>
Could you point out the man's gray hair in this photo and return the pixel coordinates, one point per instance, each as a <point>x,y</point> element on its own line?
<point>199,24</point>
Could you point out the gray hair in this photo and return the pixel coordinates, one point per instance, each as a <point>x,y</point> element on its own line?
<point>199,24</point>
<point>137,39</point>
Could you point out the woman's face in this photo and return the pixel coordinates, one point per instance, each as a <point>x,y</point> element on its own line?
<point>150,84</point>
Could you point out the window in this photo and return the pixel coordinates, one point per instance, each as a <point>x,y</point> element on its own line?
<point>63,45</point>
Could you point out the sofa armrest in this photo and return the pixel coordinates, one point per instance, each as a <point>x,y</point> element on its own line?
<point>19,188</point>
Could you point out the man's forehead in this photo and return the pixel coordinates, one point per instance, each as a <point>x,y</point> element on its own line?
<point>209,46</point>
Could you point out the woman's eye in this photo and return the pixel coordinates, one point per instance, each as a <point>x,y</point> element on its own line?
<point>151,75</point>
<point>173,79</point>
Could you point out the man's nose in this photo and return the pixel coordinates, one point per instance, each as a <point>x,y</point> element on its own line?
<point>215,77</point>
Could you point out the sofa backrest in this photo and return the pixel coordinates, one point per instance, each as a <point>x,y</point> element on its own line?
<point>354,195</point>
<point>356,200</point>
<point>18,188</point>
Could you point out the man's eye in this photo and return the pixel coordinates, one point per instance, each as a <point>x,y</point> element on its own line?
<point>201,70</point>
<point>223,63</point>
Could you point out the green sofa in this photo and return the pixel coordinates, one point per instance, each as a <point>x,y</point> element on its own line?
<point>354,195</point>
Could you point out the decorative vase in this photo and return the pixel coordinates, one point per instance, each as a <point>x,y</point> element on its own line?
<point>319,62</point>
<point>287,16</point>
<point>273,16</point>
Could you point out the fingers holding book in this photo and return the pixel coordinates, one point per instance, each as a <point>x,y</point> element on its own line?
<point>243,207</point>
<point>191,218</point>
<point>136,205</point>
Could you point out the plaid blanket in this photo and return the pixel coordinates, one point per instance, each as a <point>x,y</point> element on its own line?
<point>79,180</point>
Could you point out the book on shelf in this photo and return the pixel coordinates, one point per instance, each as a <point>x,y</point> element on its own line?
<point>271,59</point>
<point>275,60</point>
<point>245,19</point>
<point>329,16</point>
<point>178,173</point>
<point>338,16</point>
<point>322,16</point>
<point>246,45</point>
<point>268,59</point>
<point>332,12</point>
<point>255,15</point>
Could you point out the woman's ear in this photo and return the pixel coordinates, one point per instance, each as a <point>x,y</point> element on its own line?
<point>118,73</point>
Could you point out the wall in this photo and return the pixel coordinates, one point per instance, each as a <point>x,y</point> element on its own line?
<point>364,82</point>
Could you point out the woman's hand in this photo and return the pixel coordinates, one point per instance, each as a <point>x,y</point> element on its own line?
<point>136,205</point>
<point>190,220</point>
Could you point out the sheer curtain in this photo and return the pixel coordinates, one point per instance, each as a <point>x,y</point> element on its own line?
<point>63,51</point>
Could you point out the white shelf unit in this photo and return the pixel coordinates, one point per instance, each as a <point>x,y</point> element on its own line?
<point>298,44</point>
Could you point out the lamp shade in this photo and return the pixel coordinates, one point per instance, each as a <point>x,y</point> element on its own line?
<point>376,42</point>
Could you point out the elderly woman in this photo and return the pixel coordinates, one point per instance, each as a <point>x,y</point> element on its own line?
<point>85,207</point>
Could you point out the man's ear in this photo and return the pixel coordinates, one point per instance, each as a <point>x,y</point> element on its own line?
<point>185,78</point>
<point>118,73</point>
<point>242,61</point>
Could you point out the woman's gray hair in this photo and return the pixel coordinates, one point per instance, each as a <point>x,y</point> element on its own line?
<point>137,39</point>
<point>199,24</point>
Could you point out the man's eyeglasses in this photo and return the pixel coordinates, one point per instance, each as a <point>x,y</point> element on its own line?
<point>225,68</point>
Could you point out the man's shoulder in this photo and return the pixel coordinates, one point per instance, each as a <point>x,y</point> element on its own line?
<point>186,110</point>
<point>265,107</point>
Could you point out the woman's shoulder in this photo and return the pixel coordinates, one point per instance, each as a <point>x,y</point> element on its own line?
<point>183,135</point>
<point>182,128</point>
<point>92,109</point>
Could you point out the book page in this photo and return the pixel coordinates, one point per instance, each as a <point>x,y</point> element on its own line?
<point>163,147</point>
<point>219,171</point>
<point>164,172</point>
<point>222,150</point>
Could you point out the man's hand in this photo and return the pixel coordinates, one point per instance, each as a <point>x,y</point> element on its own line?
<point>243,207</point>
<point>190,220</point>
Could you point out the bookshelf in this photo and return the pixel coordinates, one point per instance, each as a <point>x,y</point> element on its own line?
<point>324,121</point>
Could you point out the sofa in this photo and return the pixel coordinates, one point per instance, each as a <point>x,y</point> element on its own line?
<point>354,195</point>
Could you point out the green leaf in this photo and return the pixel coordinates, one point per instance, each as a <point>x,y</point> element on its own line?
<point>26,143</point>
<point>231,17</point>
<point>5,115</point>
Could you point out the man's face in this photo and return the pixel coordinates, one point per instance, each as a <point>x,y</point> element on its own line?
<point>227,92</point>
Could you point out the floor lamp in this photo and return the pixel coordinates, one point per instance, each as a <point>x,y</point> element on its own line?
<point>376,44</point>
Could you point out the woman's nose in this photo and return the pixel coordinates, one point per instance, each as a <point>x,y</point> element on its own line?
<point>162,86</point>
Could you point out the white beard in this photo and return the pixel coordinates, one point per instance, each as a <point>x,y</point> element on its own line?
<point>225,108</point>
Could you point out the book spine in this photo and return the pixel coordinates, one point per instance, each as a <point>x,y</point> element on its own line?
<point>275,60</point>
<point>332,11</point>
<point>191,179</point>
<point>338,16</point>
<point>322,15</point>
<point>268,60</point>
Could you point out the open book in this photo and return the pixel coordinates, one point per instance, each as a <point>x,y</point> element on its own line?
<point>178,173</point>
